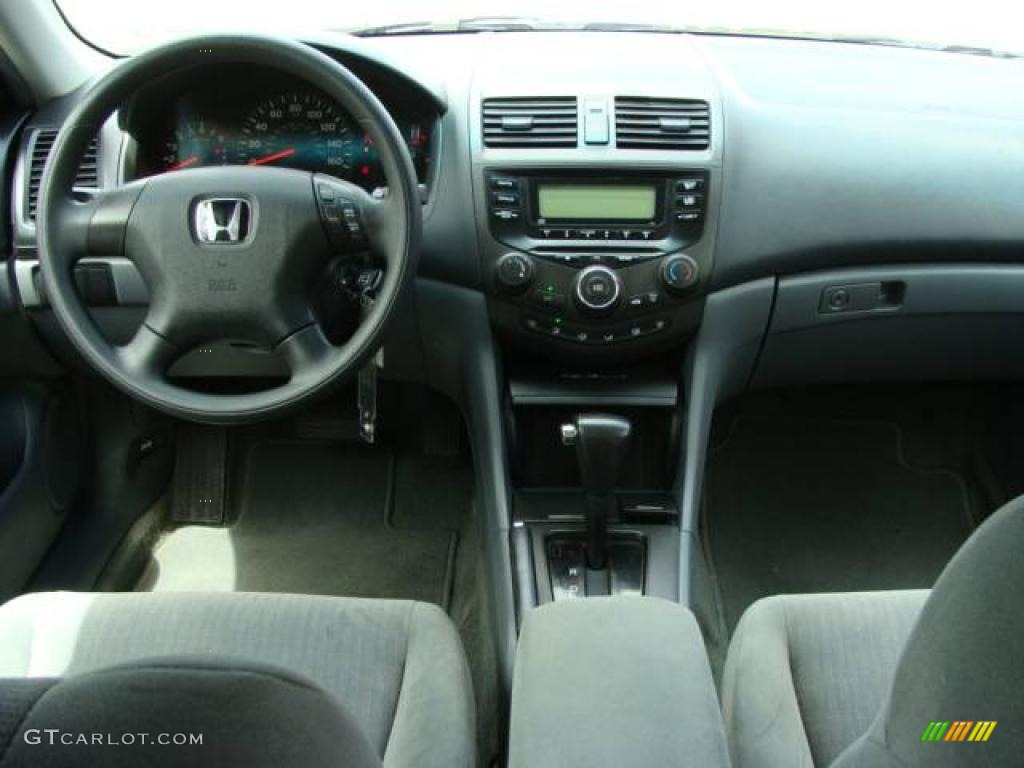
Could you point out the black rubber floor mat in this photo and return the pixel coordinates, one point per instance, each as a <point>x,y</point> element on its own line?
<point>313,519</point>
<point>795,506</point>
<point>200,475</point>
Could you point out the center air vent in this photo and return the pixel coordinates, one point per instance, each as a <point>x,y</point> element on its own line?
<point>547,121</point>
<point>661,123</point>
<point>42,143</point>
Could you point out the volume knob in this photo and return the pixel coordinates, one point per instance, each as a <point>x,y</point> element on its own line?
<point>598,289</point>
<point>514,271</point>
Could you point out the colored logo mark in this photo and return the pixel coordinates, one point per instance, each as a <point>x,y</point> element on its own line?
<point>959,730</point>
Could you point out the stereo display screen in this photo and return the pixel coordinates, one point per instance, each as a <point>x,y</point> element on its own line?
<point>597,202</point>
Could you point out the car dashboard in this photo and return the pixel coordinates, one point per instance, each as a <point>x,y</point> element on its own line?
<point>604,193</point>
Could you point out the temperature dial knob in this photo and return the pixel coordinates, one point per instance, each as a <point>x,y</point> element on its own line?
<point>598,289</point>
<point>514,271</point>
<point>679,272</point>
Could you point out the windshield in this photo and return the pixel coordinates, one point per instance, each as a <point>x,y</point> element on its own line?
<point>127,26</point>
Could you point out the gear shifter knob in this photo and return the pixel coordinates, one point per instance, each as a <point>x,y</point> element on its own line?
<point>601,441</point>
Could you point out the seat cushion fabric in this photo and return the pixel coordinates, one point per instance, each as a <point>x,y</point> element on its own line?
<point>398,666</point>
<point>963,662</point>
<point>806,675</point>
<point>183,711</point>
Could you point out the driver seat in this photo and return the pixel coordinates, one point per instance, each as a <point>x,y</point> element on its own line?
<point>396,668</point>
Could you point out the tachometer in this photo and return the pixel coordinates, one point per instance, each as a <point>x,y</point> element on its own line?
<point>193,143</point>
<point>299,130</point>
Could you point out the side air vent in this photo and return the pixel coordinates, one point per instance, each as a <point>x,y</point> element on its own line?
<point>662,123</point>
<point>530,122</point>
<point>42,143</point>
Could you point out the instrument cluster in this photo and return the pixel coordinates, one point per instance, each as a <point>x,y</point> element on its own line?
<point>271,121</point>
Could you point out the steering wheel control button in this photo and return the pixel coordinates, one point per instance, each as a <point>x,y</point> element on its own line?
<point>340,216</point>
<point>514,271</point>
<point>679,273</point>
<point>598,289</point>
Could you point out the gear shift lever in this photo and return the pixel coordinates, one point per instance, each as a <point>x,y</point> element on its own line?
<point>600,441</point>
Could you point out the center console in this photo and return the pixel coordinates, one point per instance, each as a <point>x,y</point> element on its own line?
<point>596,224</point>
<point>596,194</point>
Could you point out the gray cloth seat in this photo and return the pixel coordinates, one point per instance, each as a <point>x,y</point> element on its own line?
<point>397,666</point>
<point>854,680</point>
<point>806,674</point>
<point>174,712</point>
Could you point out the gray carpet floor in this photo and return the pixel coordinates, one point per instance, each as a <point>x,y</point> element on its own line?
<point>315,517</point>
<point>814,505</point>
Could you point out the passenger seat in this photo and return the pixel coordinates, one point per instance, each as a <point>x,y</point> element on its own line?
<point>851,680</point>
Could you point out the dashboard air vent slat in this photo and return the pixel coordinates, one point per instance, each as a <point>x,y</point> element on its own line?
<point>42,143</point>
<point>642,123</point>
<point>530,122</point>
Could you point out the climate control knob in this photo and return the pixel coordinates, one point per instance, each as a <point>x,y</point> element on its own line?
<point>679,272</point>
<point>598,289</point>
<point>514,271</point>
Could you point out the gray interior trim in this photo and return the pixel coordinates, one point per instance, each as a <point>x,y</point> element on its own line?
<point>614,682</point>
<point>925,163</point>
<point>892,323</point>
<point>719,365</point>
<point>30,33</point>
<point>955,289</point>
<point>465,364</point>
<point>129,286</point>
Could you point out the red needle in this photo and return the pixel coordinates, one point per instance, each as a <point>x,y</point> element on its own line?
<point>272,158</point>
<point>184,163</point>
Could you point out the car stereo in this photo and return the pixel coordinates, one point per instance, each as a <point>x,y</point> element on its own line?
<point>633,208</point>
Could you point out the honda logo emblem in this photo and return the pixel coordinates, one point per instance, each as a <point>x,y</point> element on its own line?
<point>222,220</point>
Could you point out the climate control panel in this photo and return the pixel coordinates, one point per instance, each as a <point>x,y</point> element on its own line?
<point>594,300</point>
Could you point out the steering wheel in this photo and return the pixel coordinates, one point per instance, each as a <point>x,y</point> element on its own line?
<point>227,252</point>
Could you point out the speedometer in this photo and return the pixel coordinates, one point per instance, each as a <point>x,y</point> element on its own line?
<point>299,130</point>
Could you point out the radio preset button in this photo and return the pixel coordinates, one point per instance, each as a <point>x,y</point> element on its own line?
<point>688,201</point>
<point>507,199</point>
<point>685,186</point>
